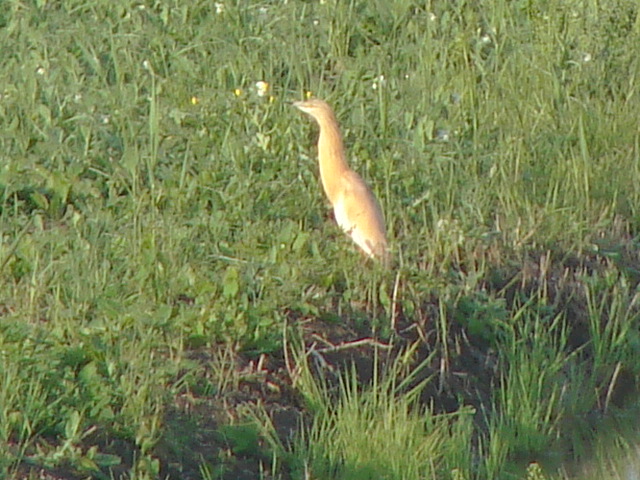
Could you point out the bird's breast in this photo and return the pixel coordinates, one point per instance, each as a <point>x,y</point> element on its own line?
<point>342,215</point>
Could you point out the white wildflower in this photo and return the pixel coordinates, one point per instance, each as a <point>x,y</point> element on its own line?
<point>379,81</point>
<point>262,88</point>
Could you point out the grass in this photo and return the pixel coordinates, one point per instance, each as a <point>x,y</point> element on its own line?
<point>176,301</point>
<point>382,430</point>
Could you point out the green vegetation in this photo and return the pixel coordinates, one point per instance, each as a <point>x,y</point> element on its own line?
<point>176,301</point>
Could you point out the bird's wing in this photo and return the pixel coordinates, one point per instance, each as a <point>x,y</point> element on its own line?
<point>358,213</point>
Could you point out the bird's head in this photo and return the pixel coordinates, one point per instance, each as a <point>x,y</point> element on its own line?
<point>315,107</point>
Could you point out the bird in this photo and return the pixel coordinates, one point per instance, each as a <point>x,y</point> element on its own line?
<point>355,207</point>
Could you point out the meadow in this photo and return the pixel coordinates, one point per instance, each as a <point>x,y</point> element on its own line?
<point>177,302</point>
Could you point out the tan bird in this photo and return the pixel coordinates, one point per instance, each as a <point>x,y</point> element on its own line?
<point>355,207</point>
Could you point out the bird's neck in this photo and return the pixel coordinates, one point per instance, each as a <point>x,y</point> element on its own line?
<point>331,157</point>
